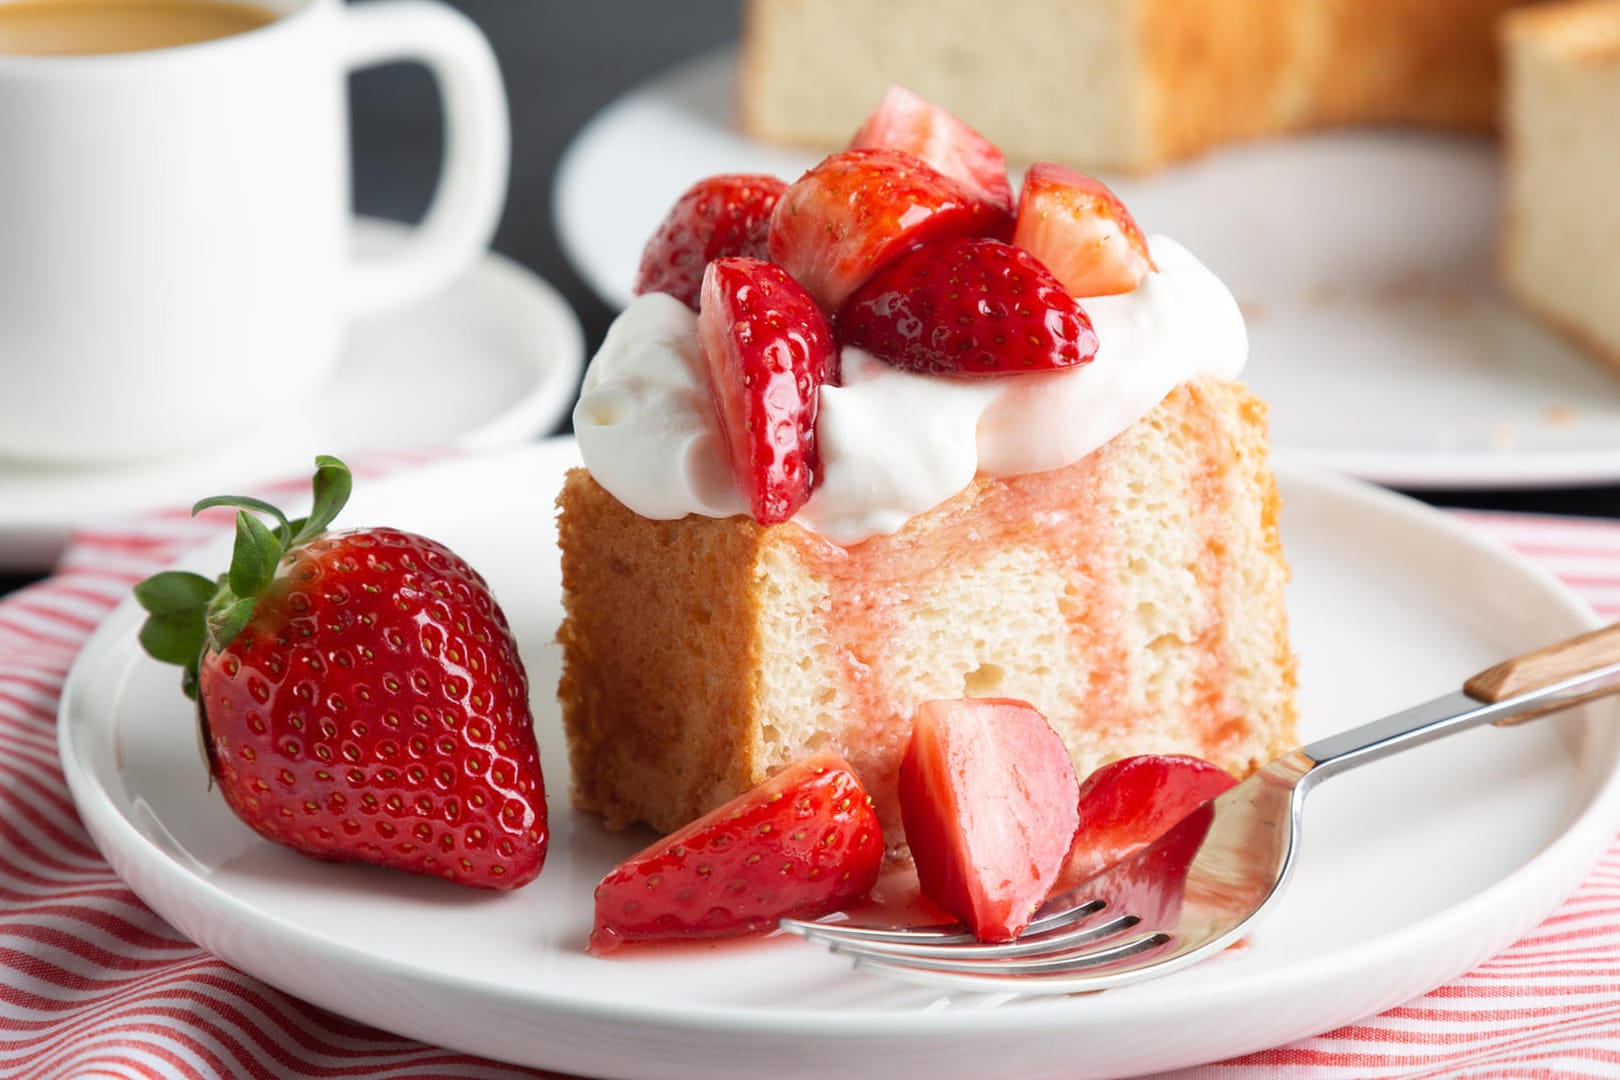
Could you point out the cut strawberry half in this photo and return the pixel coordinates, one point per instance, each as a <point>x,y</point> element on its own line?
<point>905,121</point>
<point>841,221</point>
<point>968,306</point>
<point>1081,231</point>
<point>718,217</point>
<point>1127,804</point>
<point>768,349</point>
<point>988,798</point>
<point>802,844</point>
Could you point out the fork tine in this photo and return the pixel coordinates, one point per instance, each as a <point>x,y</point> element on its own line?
<point>831,933</point>
<point>1061,940</point>
<point>1020,972</point>
<point>1063,910</point>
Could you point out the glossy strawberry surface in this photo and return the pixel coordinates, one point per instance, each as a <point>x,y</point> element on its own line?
<point>1127,804</point>
<point>906,121</point>
<point>968,307</point>
<point>1081,231</point>
<point>768,350</point>
<point>803,843</point>
<point>717,217</point>
<point>988,800</point>
<point>844,219</point>
<point>375,709</point>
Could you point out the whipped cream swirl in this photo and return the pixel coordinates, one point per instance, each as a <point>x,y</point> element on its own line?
<point>894,444</point>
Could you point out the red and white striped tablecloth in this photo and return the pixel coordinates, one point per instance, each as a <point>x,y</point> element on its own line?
<point>92,984</point>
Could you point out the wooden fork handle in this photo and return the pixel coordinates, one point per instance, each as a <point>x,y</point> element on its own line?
<point>1555,663</point>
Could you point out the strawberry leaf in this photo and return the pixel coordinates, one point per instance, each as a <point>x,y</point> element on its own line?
<point>173,638</point>
<point>228,621</point>
<point>333,482</point>
<point>245,502</point>
<point>174,592</point>
<point>188,613</point>
<point>176,628</point>
<point>254,558</point>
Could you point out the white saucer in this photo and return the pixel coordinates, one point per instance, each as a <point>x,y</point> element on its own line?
<point>492,362</point>
<point>1412,870</point>
<point>1364,260</point>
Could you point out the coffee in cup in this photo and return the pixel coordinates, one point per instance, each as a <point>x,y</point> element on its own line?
<point>97,27</point>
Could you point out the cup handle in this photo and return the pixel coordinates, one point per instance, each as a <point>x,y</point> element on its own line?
<point>471,192</point>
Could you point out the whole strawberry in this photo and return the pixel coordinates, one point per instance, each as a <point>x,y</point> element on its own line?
<point>360,694</point>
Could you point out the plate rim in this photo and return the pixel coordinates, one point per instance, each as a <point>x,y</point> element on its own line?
<point>1575,846</point>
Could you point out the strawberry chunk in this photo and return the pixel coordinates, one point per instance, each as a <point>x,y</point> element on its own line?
<point>905,121</point>
<point>718,217</point>
<point>988,798</point>
<point>1127,804</point>
<point>1081,231</point>
<point>768,349</point>
<point>802,844</point>
<point>858,209</point>
<point>968,306</point>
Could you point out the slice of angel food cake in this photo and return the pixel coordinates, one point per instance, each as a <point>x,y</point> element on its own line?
<point>884,436</point>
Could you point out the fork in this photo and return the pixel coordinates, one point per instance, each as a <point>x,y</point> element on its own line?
<point>1202,884</point>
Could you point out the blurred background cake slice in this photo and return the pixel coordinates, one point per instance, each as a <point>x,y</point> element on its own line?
<point>1120,84</point>
<point>1561,242</point>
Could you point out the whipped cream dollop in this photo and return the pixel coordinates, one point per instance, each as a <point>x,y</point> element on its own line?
<point>894,444</point>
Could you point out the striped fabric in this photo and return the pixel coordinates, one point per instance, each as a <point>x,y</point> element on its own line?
<point>92,984</point>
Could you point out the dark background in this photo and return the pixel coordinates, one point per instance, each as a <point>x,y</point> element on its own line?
<point>562,63</point>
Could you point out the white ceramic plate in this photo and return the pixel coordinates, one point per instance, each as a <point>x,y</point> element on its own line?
<point>1413,870</point>
<point>1363,259</point>
<point>492,361</point>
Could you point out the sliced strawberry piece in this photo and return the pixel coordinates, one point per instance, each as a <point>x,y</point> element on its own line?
<point>718,217</point>
<point>905,121</point>
<point>768,349</point>
<point>1153,884</point>
<point>968,306</point>
<point>988,798</point>
<point>1127,804</point>
<point>1081,231</point>
<point>802,844</point>
<point>856,210</point>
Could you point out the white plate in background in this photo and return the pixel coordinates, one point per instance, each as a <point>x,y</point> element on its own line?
<point>491,362</point>
<point>1364,260</point>
<point>1412,871</point>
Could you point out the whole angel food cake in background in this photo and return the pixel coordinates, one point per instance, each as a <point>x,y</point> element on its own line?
<point>1561,240</point>
<point>1122,84</point>
<point>884,436</point>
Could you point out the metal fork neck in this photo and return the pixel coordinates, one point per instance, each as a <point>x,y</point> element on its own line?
<point>1447,715</point>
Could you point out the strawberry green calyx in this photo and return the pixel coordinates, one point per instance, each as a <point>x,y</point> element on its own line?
<point>189,614</point>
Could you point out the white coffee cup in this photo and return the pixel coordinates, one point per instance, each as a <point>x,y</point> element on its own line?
<point>174,224</point>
